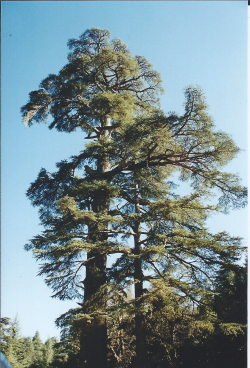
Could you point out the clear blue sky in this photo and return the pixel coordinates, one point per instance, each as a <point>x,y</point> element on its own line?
<point>189,42</point>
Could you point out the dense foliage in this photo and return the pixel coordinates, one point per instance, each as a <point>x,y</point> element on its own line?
<point>119,197</point>
<point>176,337</point>
<point>22,352</point>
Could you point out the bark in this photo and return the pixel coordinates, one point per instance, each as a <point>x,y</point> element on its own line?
<point>139,329</point>
<point>94,336</point>
<point>93,351</point>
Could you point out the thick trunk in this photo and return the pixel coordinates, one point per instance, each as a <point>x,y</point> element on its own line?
<point>93,352</point>
<point>94,336</point>
<point>139,330</point>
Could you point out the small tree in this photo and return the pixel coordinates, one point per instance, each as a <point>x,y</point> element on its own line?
<point>48,352</point>
<point>4,323</point>
<point>226,342</point>
<point>12,347</point>
<point>38,350</point>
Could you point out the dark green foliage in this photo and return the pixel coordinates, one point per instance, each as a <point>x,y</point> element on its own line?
<point>225,344</point>
<point>230,301</point>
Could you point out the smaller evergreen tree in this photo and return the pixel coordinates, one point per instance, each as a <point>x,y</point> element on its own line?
<point>4,323</point>
<point>230,301</point>
<point>48,352</point>
<point>37,359</point>
<point>27,351</point>
<point>12,347</point>
<point>226,343</point>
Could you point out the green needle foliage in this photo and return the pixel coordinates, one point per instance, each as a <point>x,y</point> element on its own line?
<point>118,196</point>
<point>100,88</point>
<point>26,352</point>
<point>11,346</point>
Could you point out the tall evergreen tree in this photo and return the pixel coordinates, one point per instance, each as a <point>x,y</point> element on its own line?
<point>120,187</point>
<point>100,88</point>
<point>171,241</point>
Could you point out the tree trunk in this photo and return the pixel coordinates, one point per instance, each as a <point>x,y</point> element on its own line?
<point>139,330</point>
<point>93,351</point>
<point>94,336</point>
